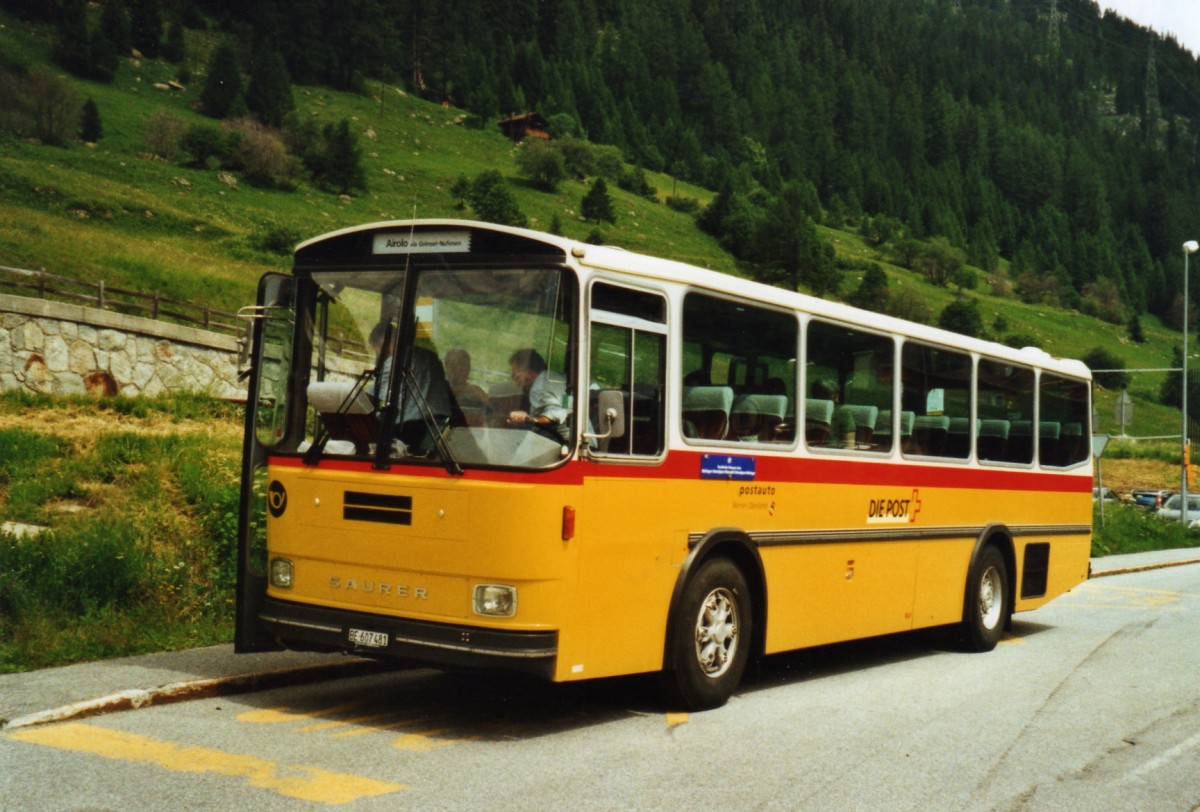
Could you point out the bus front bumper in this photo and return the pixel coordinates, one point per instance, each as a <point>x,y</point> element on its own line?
<point>363,634</point>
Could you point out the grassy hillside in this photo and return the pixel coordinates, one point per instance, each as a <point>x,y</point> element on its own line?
<point>113,212</point>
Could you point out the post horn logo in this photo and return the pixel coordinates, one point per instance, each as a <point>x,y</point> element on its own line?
<point>276,498</point>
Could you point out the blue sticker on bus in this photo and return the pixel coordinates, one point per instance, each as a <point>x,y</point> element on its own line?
<point>726,466</point>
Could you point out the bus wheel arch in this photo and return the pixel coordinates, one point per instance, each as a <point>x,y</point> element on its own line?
<point>719,602</point>
<point>990,592</point>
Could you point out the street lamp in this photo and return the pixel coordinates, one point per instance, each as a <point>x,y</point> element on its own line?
<point>1190,247</point>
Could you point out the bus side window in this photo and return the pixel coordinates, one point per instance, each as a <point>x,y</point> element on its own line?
<point>739,382</point>
<point>852,370</point>
<point>1005,396</point>
<point>628,355</point>
<point>937,394</point>
<point>743,358</point>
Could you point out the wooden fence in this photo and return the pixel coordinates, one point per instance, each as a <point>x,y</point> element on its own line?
<point>42,285</point>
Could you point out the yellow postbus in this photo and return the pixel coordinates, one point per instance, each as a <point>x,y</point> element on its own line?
<point>474,445</point>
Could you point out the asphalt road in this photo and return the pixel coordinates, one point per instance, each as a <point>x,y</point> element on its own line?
<point>1092,703</point>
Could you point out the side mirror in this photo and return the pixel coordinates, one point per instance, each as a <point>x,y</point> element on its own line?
<point>610,410</point>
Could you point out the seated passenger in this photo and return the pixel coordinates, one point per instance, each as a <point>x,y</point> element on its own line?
<point>843,428</point>
<point>428,377</point>
<point>472,400</point>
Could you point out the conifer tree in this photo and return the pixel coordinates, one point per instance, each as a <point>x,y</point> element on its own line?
<point>460,190</point>
<point>872,292</point>
<point>174,49</point>
<point>146,27</point>
<point>104,58</point>
<point>269,95</point>
<point>597,205</point>
<point>222,93</point>
<point>1136,334</point>
<point>788,245</point>
<point>90,128</point>
<point>72,48</point>
<point>114,22</point>
<point>337,163</point>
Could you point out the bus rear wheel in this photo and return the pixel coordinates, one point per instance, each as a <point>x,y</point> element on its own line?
<point>711,643</point>
<point>987,606</point>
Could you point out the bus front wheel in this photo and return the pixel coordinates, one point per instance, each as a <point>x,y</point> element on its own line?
<point>711,637</point>
<point>987,608</point>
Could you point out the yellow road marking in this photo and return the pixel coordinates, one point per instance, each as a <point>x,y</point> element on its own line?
<point>1134,607</point>
<point>1172,592</point>
<point>676,719</point>
<point>424,741</point>
<point>418,741</point>
<point>274,716</point>
<point>306,783</point>
<point>374,728</point>
<point>355,720</point>
<point>1124,597</point>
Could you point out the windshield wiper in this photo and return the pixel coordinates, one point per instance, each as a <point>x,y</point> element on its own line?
<point>409,388</point>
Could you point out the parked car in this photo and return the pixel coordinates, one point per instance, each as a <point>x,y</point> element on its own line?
<point>1108,495</point>
<point>1170,509</point>
<point>1150,498</point>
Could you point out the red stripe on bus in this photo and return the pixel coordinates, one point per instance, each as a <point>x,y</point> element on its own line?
<point>685,465</point>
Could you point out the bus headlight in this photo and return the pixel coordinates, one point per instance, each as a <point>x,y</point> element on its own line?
<point>281,573</point>
<point>495,600</point>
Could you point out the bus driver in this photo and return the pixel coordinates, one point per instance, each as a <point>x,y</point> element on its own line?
<point>543,399</point>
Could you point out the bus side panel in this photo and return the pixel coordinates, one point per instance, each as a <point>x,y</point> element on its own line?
<point>1070,558</point>
<point>818,593</point>
<point>943,564</point>
<point>942,581</point>
<point>1069,555</point>
<point>630,548</point>
<point>824,593</point>
<point>828,583</point>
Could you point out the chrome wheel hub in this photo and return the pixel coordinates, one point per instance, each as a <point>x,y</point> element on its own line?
<point>991,601</point>
<point>717,632</point>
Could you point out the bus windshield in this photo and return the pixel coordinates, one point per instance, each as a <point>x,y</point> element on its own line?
<point>473,370</point>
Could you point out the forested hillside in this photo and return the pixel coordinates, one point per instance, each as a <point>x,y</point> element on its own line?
<point>1039,133</point>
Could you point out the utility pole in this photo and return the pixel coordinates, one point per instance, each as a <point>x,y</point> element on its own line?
<point>1153,105</point>
<point>1053,38</point>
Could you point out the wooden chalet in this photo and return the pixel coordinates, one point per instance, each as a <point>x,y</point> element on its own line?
<point>526,125</point>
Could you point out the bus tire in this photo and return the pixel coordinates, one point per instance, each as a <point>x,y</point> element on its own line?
<point>712,636</point>
<point>987,605</point>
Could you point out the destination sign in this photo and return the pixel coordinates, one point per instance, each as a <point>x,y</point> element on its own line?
<point>423,242</point>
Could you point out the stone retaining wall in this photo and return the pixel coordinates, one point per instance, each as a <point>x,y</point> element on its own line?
<point>57,348</point>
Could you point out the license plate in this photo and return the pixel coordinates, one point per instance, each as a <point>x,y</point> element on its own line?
<point>361,637</point>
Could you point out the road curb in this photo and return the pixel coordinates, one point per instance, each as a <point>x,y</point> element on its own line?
<point>202,688</point>
<point>1144,568</point>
